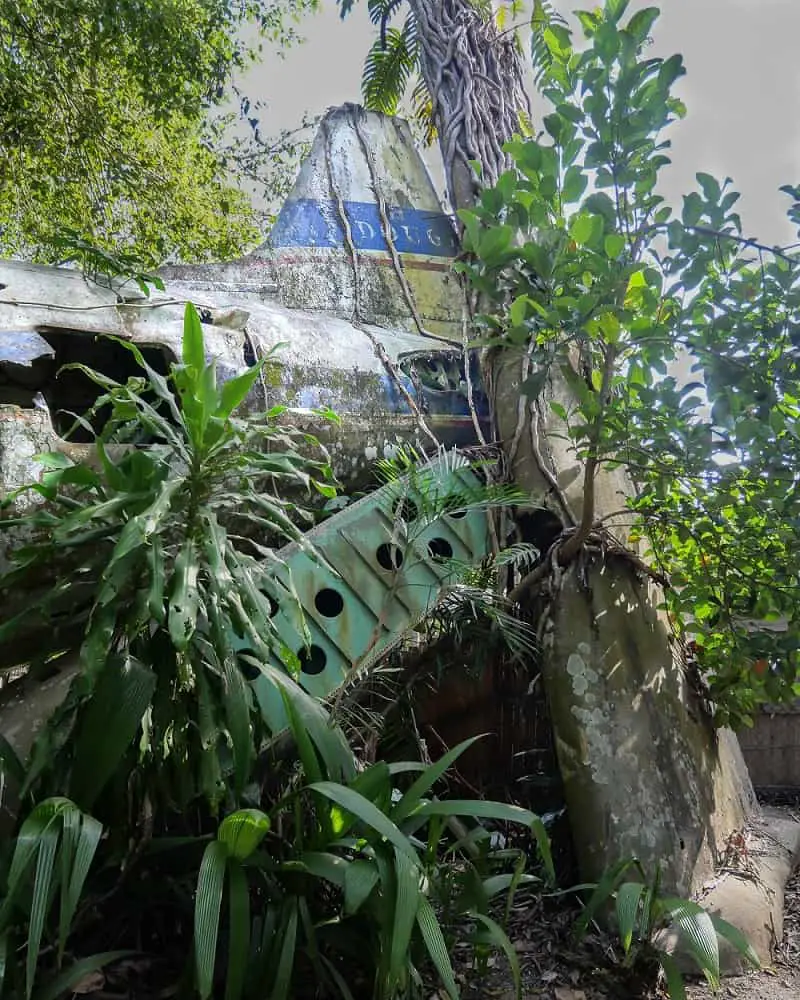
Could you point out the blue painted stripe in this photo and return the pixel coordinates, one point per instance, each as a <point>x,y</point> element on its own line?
<point>305,222</point>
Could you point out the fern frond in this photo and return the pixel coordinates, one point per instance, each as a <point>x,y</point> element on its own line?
<point>388,67</point>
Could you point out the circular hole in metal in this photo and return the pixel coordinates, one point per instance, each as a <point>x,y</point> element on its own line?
<point>389,557</point>
<point>250,670</point>
<point>329,602</point>
<point>440,548</point>
<point>312,660</point>
<point>405,509</point>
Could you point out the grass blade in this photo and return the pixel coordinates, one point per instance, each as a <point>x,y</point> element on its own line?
<point>42,889</point>
<point>66,982</point>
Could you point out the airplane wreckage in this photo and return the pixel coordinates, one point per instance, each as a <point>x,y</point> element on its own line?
<point>355,282</point>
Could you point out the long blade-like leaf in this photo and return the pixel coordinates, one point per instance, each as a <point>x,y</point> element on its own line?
<point>42,890</point>
<point>500,939</point>
<point>360,879</point>
<point>673,977</point>
<point>436,945</point>
<point>361,807</point>
<point>423,784</point>
<point>735,937</point>
<point>65,983</point>
<point>602,893</point>
<point>89,834</point>
<point>697,929</point>
<point>239,943</point>
<point>406,905</point>
<point>502,811</point>
<point>207,907</point>
<point>283,975</point>
<point>629,897</point>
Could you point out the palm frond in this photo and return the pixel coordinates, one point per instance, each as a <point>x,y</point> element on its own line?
<point>544,16</point>
<point>389,66</point>
<point>422,111</point>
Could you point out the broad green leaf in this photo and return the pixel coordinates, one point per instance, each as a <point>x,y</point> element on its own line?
<point>575,182</point>
<point>242,832</point>
<point>331,867</point>
<point>361,807</point>
<point>109,725</point>
<point>642,21</point>
<point>207,911</point>
<point>697,929</point>
<point>581,228</point>
<point>614,244</point>
<point>234,391</point>
<point>494,243</point>
<point>194,355</point>
<point>360,879</point>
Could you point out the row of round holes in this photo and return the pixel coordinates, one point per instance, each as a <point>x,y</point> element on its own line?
<point>330,603</point>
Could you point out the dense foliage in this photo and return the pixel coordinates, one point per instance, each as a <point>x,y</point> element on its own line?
<point>107,123</point>
<point>246,853</point>
<point>582,265</point>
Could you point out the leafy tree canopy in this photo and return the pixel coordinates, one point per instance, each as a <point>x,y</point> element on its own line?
<point>585,271</point>
<point>106,123</point>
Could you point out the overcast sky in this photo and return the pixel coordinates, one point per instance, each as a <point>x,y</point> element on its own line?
<point>742,92</point>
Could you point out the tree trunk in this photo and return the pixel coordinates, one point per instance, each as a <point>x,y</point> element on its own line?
<point>645,772</point>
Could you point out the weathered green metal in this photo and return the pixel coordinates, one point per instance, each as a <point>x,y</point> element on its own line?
<point>370,573</point>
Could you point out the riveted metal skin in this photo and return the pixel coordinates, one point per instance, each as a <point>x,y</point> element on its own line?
<point>366,576</point>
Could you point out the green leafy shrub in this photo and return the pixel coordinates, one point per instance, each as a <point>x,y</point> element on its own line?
<point>137,563</point>
<point>643,914</point>
<point>583,269</point>
<point>398,890</point>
